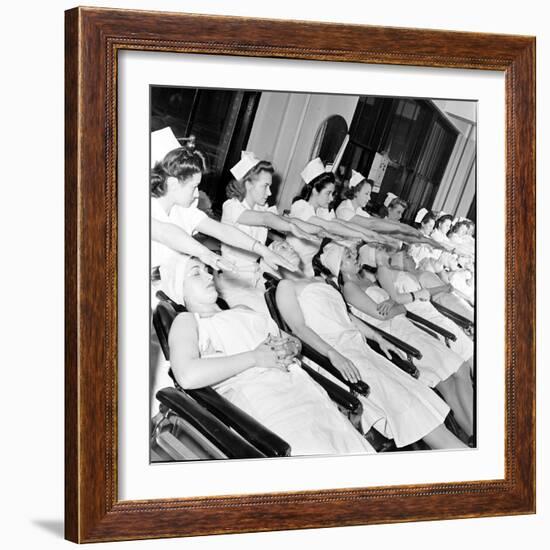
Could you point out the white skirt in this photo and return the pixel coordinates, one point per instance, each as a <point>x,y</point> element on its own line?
<point>297,409</point>
<point>399,406</point>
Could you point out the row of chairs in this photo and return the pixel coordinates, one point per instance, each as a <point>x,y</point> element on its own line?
<point>201,424</point>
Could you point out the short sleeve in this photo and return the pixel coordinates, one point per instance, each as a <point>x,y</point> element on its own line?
<point>325,214</point>
<point>187,218</point>
<point>344,212</point>
<point>232,210</point>
<point>157,212</point>
<point>302,210</point>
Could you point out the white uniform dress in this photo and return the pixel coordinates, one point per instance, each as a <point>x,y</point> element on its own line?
<point>437,363</point>
<point>290,403</point>
<point>246,285</point>
<point>406,282</point>
<point>302,210</point>
<point>187,219</point>
<point>399,406</point>
<point>346,211</point>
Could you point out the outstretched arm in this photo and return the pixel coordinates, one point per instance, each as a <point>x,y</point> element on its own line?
<point>229,234</point>
<point>177,239</point>
<point>273,221</point>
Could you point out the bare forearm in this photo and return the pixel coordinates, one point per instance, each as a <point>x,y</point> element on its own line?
<point>177,239</point>
<point>307,335</point>
<point>198,373</point>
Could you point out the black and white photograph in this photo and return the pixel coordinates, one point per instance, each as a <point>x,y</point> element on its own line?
<point>312,274</point>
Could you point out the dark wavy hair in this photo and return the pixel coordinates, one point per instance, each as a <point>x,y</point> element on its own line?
<point>318,183</point>
<point>351,193</point>
<point>397,202</point>
<point>237,188</point>
<point>181,163</point>
<point>427,217</point>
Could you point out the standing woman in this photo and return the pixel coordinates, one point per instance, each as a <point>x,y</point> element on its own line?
<point>168,238</point>
<point>174,187</point>
<point>395,206</point>
<point>312,206</point>
<point>246,209</point>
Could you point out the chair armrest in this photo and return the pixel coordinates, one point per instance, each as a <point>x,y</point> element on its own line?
<point>453,316</point>
<point>231,444</point>
<point>361,387</point>
<point>268,442</point>
<point>398,361</point>
<point>432,326</point>
<point>339,395</point>
<point>411,351</point>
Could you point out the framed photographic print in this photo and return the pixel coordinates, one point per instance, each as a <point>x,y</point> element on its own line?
<point>300,275</point>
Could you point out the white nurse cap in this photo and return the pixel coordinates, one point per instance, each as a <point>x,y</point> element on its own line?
<point>247,162</point>
<point>162,142</point>
<point>420,215</point>
<point>356,179</point>
<point>314,168</point>
<point>389,198</point>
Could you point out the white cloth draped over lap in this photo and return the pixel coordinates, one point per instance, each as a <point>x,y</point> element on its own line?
<point>406,282</point>
<point>346,211</point>
<point>290,403</point>
<point>399,406</point>
<point>246,285</point>
<point>437,363</point>
<point>302,210</point>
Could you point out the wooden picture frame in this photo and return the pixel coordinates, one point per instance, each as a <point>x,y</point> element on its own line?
<point>93,511</point>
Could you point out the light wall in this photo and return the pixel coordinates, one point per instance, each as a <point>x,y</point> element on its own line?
<point>284,132</point>
<point>458,186</point>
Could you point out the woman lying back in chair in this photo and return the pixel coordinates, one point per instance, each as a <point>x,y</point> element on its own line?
<point>240,353</point>
<point>398,276</point>
<point>399,406</point>
<point>439,366</point>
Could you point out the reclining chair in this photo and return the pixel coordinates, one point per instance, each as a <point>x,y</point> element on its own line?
<point>201,422</point>
<point>378,441</point>
<point>322,361</point>
<point>191,405</point>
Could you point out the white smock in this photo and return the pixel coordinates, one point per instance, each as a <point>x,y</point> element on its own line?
<point>346,211</point>
<point>245,286</point>
<point>407,282</point>
<point>303,210</point>
<point>399,406</point>
<point>187,218</point>
<point>437,363</point>
<point>289,403</point>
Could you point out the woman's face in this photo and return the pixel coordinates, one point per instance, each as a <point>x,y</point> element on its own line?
<point>445,226</point>
<point>428,227</point>
<point>198,284</point>
<point>186,193</point>
<point>396,212</point>
<point>363,196</point>
<point>349,263</point>
<point>324,197</point>
<point>258,190</point>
